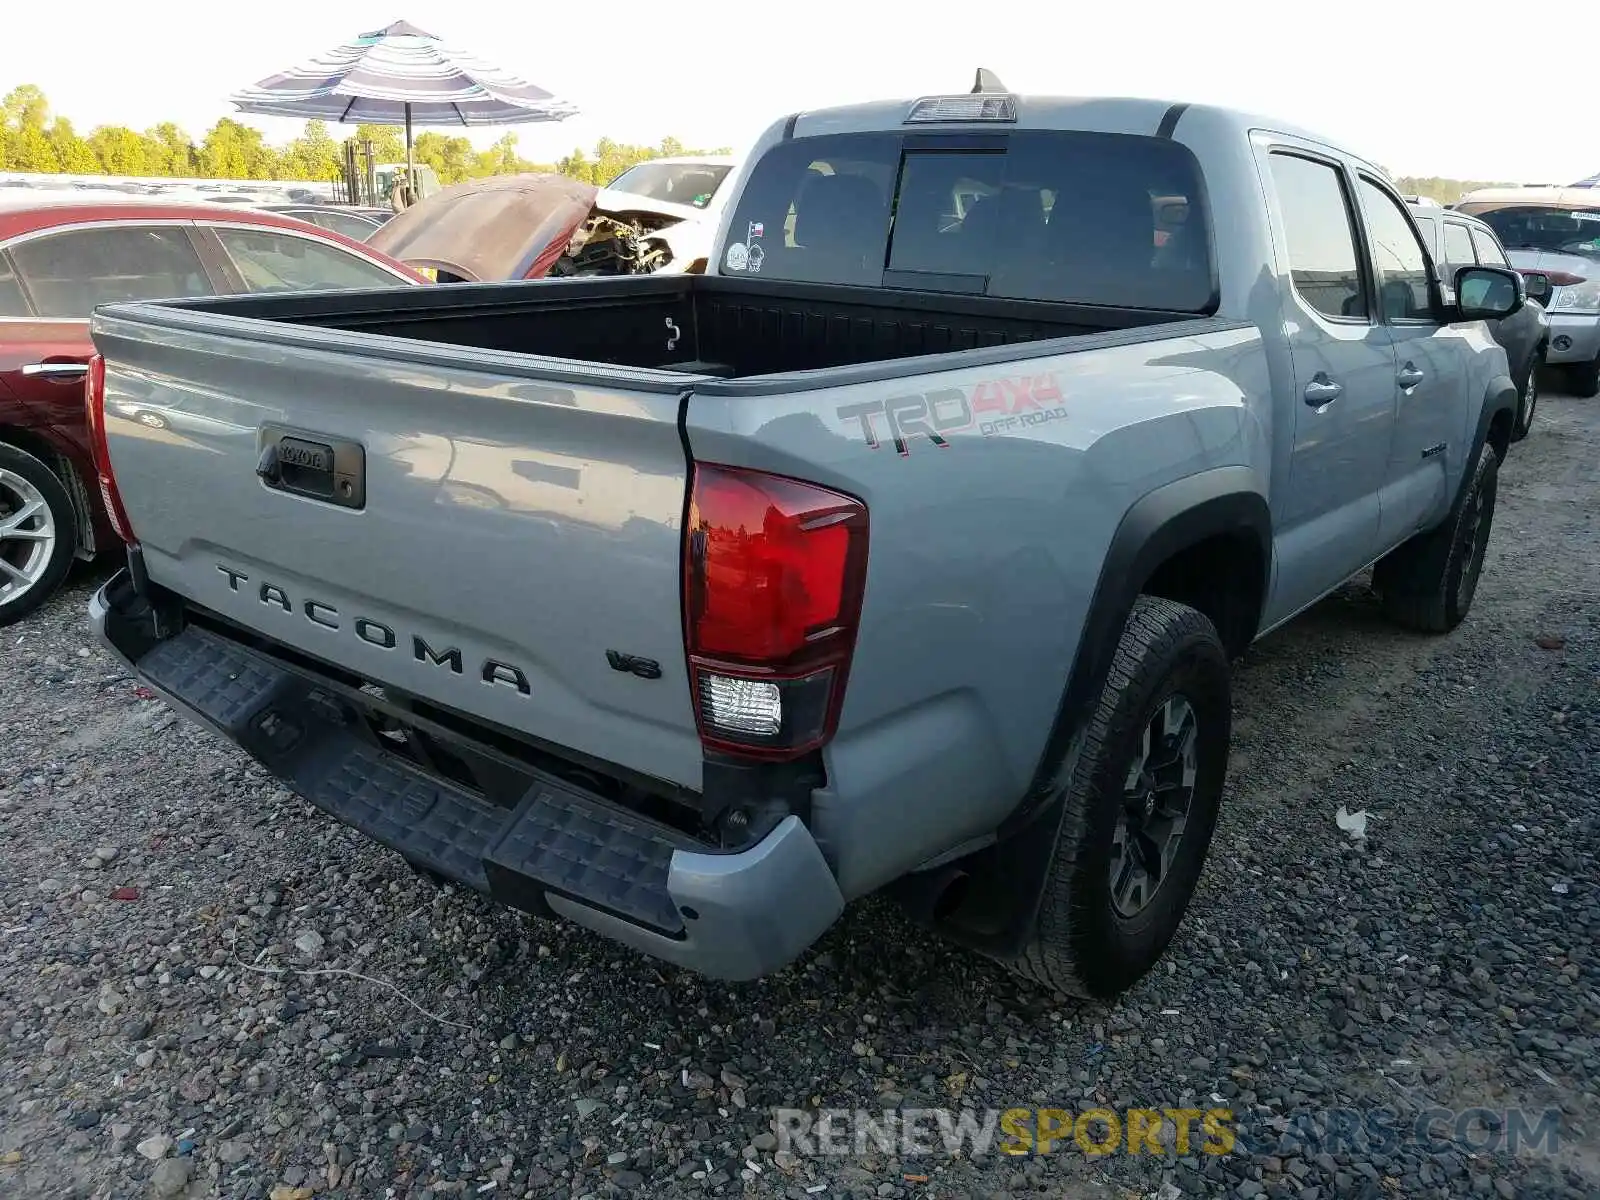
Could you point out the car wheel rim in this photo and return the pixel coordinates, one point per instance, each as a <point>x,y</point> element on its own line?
<point>27,536</point>
<point>1154,813</point>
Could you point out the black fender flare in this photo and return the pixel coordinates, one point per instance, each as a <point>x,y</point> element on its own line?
<point>1006,879</point>
<point>1499,397</point>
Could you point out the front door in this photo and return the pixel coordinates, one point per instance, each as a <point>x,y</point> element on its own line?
<point>1343,371</point>
<point>1428,378</point>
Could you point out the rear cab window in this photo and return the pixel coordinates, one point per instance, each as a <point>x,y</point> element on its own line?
<point>1105,220</point>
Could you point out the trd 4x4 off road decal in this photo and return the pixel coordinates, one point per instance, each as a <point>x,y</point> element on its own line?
<point>992,406</point>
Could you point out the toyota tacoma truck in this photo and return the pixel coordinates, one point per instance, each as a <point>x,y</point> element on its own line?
<point>905,550</point>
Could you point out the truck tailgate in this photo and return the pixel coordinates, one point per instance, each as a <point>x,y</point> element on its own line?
<point>486,540</point>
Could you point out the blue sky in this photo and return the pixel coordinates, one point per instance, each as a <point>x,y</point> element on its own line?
<point>1423,89</point>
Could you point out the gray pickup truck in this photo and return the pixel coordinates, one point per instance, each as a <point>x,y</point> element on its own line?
<point>905,550</point>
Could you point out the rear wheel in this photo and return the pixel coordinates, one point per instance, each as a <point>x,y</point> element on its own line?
<point>1429,582</point>
<point>1139,799</point>
<point>1528,401</point>
<point>1585,378</point>
<point>38,533</point>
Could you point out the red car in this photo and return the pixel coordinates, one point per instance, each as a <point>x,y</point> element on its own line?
<point>62,256</point>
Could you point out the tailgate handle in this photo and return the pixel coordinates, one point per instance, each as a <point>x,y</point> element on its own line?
<point>313,466</point>
<point>267,465</point>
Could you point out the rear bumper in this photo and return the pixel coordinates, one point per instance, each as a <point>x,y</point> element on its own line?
<point>559,851</point>
<point>1574,338</point>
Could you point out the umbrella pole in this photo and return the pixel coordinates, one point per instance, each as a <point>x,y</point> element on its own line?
<point>408,144</point>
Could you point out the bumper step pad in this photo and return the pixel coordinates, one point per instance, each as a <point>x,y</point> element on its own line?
<point>556,839</point>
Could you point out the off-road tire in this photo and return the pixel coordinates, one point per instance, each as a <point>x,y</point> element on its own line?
<point>1429,582</point>
<point>1528,400</point>
<point>1584,379</point>
<point>1081,946</point>
<point>65,520</point>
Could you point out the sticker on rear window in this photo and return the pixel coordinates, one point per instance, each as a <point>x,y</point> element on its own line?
<point>1586,216</point>
<point>738,257</point>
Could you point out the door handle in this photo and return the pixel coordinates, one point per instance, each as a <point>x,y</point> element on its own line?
<point>56,370</point>
<point>1322,390</point>
<point>1409,376</point>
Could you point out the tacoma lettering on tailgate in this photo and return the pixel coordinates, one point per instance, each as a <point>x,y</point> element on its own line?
<point>375,633</point>
<point>991,406</point>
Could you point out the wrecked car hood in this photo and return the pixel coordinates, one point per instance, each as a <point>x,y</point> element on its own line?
<point>487,229</point>
<point>517,226</point>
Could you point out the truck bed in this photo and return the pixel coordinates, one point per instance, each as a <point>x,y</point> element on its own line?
<point>733,328</point>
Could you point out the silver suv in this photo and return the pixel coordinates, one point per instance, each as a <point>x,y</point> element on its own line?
<point>1555,230</point>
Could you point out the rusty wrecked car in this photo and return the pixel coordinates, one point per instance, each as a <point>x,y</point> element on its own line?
<point>658,217</point>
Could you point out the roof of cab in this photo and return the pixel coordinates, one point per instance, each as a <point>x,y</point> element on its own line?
<point>1101,114</point>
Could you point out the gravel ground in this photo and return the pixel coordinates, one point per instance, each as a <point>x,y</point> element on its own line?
<point>165,909</point>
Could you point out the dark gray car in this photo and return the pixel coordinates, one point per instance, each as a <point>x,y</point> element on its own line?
<point>1457,240</point>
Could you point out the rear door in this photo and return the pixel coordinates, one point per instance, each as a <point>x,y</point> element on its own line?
<point>1328,515</point>
<point>61,275</point>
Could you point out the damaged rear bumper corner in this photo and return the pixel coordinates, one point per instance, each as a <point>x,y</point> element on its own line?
<point>560,851</point>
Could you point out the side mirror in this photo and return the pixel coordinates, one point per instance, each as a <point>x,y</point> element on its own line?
<point>1488,293</point>
<point>1538,286</point>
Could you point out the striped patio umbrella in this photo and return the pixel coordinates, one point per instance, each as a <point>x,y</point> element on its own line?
<point>396,76</point>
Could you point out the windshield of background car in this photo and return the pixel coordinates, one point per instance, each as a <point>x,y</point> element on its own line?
<point>1085,218</point>
<point>675,183</point>
<point>1561,229</point>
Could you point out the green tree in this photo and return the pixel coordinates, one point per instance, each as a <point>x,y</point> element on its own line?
<point>72,152</point>
<point>122,151</point>
<point>312,155</point>
<point>388,142</point>
<point>452,158</point>
<point>234,151</point>
<point>170,151</point>
<point>25,107</point>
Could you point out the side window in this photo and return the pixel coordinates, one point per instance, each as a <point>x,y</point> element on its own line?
<point>1458,245</point>
<point>273,262</point>
<point>12,302</point>
<point>69,273</point>
<point>1397,252</point>
<point>1489,252</point>
<point>1321,236</point>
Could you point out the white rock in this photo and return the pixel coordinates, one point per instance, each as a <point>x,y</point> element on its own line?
<point>106,853</point>
<point>155,1147</point>
<point>309,942</point>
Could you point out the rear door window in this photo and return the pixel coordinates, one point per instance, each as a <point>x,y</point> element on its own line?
<point>12,302</point>
<point>1319,232</point>
<point>69,273</point>
<point>1095,219</point>
<point>270,261</point>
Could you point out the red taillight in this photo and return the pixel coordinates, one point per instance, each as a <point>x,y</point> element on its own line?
<point>774,571</point>
<point>94,403</point>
